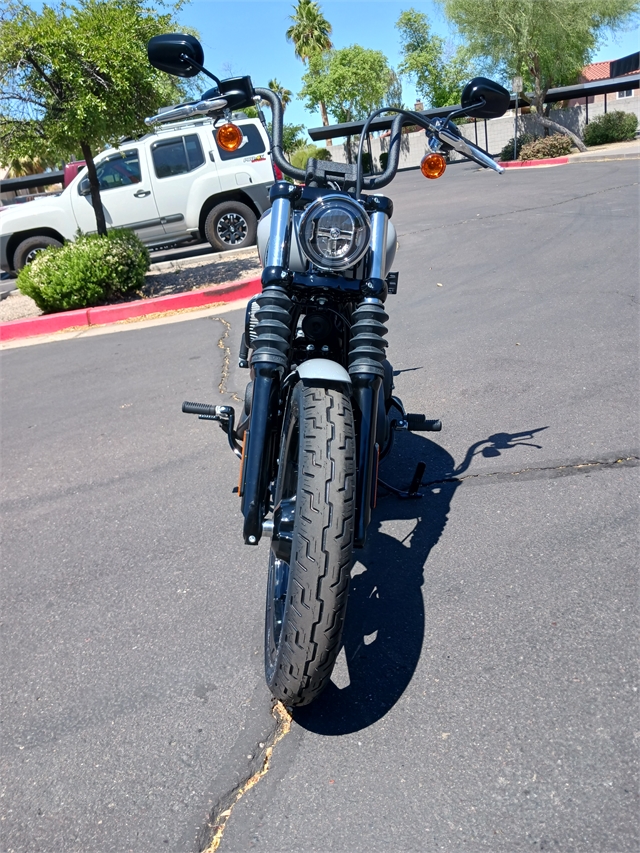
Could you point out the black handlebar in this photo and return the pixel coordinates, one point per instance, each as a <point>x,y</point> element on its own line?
<point>373,182</point>
<point>276,147</point>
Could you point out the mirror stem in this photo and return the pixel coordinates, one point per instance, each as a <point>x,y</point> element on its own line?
<point>463,111</point>
<point>201,68</point>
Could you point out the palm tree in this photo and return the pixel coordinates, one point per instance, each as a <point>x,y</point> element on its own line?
<point>310,33</point>
<point>285,95</point>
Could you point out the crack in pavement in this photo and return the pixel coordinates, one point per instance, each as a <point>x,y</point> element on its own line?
<point>542,471</point>
<point>223,809</point>
<point>226,361</point>
<point>518,210</point>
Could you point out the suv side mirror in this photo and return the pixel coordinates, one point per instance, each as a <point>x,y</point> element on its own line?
<point>483,98</point>
<point>83,187</point>
<point>172,53</point>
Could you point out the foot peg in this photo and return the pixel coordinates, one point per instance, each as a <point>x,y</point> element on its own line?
<point>207,412</point>
<point>418,423</point>
<point>225,415</point>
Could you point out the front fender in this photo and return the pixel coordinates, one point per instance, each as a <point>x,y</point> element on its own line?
<point>323,369</point>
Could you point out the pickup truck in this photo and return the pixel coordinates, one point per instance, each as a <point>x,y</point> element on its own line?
<point>171,185</point>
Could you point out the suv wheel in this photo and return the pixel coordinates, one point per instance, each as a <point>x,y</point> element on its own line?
<point>29,248</point>
<point>230,225</point>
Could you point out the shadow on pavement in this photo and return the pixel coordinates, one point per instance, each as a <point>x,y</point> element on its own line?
<point>384,628</point>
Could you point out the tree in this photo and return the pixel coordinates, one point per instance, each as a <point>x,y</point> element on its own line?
<point>293,138</point>
<point>310,33</point>
<point>440,73</point>
<point>284,94</point>
<point>77,78</point>
<point>393,97</point>
<point>351,82</point>
<point>545,41</point>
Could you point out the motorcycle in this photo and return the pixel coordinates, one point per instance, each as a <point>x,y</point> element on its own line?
<point>319,411</point>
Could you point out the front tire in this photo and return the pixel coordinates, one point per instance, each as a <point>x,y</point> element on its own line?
<point>311,553</point>
<point>231,225</point>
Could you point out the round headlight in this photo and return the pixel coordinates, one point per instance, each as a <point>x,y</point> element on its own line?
<point>334,232</point>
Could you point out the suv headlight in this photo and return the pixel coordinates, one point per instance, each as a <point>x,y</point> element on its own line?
<point>334,232</point>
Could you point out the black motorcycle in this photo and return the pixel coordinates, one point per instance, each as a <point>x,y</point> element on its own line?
<point>319,411</point>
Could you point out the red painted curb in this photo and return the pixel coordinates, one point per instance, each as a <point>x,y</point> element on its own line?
<point>549,161</point>
<point>105,314</point>
<point>43,325</point>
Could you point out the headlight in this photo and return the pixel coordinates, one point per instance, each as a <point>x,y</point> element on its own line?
<point>334,232</point>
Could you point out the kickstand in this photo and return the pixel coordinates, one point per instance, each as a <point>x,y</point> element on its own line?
<point>412,491</point>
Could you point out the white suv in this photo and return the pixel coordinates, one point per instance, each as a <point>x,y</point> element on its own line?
<point>173,184</point>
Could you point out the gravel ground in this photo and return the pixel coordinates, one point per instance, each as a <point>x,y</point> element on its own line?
<point>163,279</point>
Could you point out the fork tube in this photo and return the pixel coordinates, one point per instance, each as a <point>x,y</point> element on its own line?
<point>282,195</point>
<point>379,230</point>
<point>269,360</point>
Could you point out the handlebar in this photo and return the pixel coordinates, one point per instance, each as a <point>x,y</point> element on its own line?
<point>440,129</point>
<point>277,151</point>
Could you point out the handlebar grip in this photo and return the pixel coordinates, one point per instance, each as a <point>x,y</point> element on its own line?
<point>276,145</point>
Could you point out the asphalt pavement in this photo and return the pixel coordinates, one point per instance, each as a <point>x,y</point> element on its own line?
<point>486,696</point>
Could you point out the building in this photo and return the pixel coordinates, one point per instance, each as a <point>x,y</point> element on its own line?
<point>606,71</point>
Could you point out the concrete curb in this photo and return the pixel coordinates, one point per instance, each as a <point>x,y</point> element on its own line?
<point>527,164</point>
<point>105,314</point>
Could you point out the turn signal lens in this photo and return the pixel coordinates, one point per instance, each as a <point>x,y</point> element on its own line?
<point>229,137</point>
<point>433,166</point>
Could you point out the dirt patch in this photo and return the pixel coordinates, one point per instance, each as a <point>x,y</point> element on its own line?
<point>163,280</point>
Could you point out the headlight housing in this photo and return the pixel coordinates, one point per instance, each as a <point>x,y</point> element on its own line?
<point>334,232</point>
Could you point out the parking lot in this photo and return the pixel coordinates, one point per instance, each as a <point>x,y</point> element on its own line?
<point>486,697</point>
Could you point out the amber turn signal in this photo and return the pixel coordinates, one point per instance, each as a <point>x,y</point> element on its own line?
<point>229,137</point>
<point>433,166</point>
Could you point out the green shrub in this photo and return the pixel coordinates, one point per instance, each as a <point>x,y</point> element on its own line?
<point>300,156</point>
<point>384,159</point>
<point>611,127</point>
<point>90,271</point>
<point>507,151</point>
<point>366,162</point>
<point>547,146</point>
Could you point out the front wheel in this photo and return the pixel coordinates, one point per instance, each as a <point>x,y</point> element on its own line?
<point>311,550</point>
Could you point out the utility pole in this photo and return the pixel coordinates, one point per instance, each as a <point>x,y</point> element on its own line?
<point>517,87</point>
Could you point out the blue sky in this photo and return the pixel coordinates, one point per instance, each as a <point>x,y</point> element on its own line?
<point>247,37</point>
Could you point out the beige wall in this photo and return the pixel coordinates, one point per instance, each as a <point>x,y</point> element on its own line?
<point>499,131</point>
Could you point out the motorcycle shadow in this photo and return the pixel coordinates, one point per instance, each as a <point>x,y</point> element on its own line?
<point>385,622</point>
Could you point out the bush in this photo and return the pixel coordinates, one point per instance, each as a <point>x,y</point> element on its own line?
<point>523,139</point>
<point>611,127</point>
<point>547,146</point>
<point>300,156</point>
<point>384,159</point>
<point>90,271</point>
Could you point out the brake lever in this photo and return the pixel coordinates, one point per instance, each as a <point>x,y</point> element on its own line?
<point>463,146</point>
